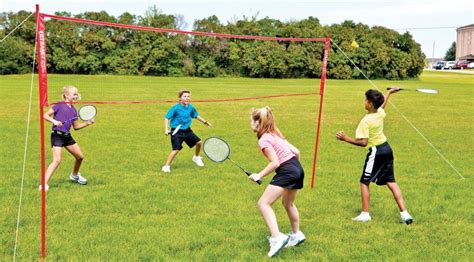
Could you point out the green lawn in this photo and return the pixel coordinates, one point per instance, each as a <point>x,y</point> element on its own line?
<point>130,210</point>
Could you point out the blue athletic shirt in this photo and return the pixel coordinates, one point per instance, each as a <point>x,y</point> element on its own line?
<point>181,115</point>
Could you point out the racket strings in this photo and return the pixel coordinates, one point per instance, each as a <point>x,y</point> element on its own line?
<point>87,112</point>
<point>216,149</point>
<point>427,90</point>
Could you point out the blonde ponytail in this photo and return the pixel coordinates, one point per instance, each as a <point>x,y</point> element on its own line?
<point>265,122</point>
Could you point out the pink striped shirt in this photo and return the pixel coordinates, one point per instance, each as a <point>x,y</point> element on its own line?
<point>280,145</point>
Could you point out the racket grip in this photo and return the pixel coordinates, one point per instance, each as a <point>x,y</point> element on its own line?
<point>258,181</point>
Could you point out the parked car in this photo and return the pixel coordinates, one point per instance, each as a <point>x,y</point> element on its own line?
<point>471,65</point>
<point>449,65</point>
<point>461,64</point>
<point>440,65</point>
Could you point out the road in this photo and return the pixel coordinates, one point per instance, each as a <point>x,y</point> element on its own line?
<point>465,71</point>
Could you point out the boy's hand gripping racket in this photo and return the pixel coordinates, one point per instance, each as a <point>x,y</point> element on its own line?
<point>217,150</point>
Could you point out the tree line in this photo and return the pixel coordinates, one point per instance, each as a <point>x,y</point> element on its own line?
<point>74,48</point>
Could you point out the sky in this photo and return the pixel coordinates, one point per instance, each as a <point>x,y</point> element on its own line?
<point>431,23</point>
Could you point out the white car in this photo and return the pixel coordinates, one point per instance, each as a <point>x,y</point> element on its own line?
<point>449,65</point>
<point>470,65</point>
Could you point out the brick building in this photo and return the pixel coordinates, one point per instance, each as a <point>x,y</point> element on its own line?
<point>465,43</point>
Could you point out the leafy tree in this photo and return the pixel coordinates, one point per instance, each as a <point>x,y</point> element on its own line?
<point>210,24</point>
<point>244,26</point>
<point>154,17</point>
<point>451,53</point>
<point>269,27</point>
<point>10,21</point>
<point>15,56</point>
<point>16,51</point>
<point>164,58</point>
<point>259,62</point>
<point>207,68</point>
<point>309,27</point>
<point>90,49</point>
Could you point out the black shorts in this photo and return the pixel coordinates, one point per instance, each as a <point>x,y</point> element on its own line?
<point>378,165</point>
<point>60,139</point>
<point>289,175</point>
<point>184,135</point>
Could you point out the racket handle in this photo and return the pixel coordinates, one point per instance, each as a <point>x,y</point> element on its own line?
<point>388,88</point>
<point>249,174</point>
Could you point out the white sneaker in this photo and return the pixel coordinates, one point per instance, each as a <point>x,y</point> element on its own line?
<point>166,169</point>
<point>198,160</point>
<point>46,187</point>
<point>276,244</point>
<point>406,217</point>
<point>295,239</point>
<point>78,179</point>
<point>363,217</point>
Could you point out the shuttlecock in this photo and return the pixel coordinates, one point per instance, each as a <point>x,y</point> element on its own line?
<point>354,44</point>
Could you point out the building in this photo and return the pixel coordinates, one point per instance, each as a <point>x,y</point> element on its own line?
<point>465,43</point>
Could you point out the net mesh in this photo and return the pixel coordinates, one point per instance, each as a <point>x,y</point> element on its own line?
<point>102,56</point>
<point>120,69</point>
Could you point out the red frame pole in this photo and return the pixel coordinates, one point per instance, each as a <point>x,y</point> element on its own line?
<point>321,93</point>
<point>42,77</point>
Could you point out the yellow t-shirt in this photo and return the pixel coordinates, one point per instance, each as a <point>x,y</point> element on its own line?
<point>371,127</point>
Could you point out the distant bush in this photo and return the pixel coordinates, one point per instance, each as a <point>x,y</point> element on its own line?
<point>85,49</point>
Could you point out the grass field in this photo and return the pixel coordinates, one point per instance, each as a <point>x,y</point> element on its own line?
<point>130,210</point>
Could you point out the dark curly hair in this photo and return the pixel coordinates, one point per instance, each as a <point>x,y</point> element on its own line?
<point>375,97</point>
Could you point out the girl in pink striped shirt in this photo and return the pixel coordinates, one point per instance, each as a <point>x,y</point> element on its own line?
<point>283,158</point>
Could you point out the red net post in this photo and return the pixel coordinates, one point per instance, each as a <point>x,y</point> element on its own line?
<point>321,94</point>
<point>43,81</point>
<point>43,101</point>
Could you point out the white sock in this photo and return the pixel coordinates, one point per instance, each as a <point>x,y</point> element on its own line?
<point>279,234</point>
<point>363,213</point>
<point>404,213</point>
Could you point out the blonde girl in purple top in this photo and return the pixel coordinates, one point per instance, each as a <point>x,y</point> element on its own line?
<point>63,116</point>
<point>283,158</point>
